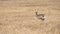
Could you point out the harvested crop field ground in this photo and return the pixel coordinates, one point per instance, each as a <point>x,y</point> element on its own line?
<point>19,17</point>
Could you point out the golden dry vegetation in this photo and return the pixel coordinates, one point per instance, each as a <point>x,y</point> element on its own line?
<point>18,17</point>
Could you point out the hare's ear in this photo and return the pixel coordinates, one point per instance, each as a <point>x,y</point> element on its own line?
<point>36,10</point>
<point>36,13</point>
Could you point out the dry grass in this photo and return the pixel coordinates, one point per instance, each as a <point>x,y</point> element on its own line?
<point>18,17</point>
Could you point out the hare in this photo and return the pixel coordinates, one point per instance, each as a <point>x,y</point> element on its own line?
<point>40,16</point>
